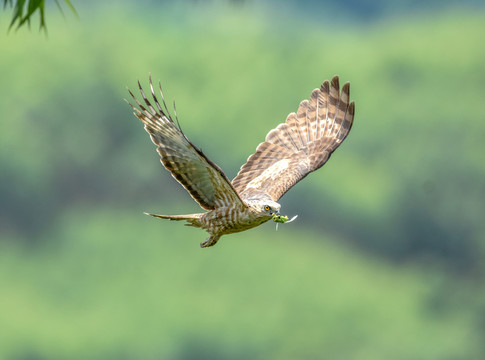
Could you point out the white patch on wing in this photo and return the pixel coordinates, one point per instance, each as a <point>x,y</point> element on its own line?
<point>273,172</point>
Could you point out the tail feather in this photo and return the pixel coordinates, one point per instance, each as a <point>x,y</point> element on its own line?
<point>192,219</point>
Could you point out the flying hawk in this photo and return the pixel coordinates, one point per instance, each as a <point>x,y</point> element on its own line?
<point>290,152</point>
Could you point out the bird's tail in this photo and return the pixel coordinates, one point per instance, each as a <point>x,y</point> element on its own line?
<point>192,219</point>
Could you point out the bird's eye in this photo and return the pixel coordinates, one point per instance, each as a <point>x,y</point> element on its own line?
<point>267,208</point>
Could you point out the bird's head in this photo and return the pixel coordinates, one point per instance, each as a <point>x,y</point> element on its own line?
<point>264,207</point>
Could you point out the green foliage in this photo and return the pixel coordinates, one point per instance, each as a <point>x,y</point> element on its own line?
<point>385,260</point>
<point>134,292</point>
<point>24,10</point>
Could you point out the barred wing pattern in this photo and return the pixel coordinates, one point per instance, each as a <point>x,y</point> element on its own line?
<point>204,180</point>
<point>300,145</point>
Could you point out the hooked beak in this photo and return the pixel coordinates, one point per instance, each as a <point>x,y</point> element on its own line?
<point>277,212</point>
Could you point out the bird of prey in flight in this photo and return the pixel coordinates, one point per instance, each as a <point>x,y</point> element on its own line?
<point>295,148</point>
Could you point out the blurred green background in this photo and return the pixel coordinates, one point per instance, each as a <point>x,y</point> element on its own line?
<point>386,260</point>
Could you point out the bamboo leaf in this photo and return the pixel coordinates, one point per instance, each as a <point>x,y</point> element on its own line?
<point>24,10</point>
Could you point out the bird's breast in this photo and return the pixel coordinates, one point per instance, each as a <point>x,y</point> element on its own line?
<point>228,220</point>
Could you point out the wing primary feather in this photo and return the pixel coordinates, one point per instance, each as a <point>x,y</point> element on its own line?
<point>338,121</point>
<point>163,101</point>
<point>152,110</point>
<point>180,127</point>
<point>294,122</point>
<point>310,114</point>
<point>177,119</point>
<point>301,120</point>
<point>343,108</point>
<point>350,113</point>
<point>273,138</point>
<point>339,114</point>
<point>333,100</point>
<point>290,137</point>
<point>317,121</point>
<point>139,104</point>
<point>154,96</point>
<point>308,124</point>
<point>325,89</point>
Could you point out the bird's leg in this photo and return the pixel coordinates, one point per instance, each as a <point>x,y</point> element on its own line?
<point>210,241</point>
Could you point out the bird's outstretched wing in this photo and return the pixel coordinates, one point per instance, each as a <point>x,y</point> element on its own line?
<point>300,145</point>
<point>204,180</point>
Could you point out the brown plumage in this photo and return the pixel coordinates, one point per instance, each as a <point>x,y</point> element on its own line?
<point>289,153</point>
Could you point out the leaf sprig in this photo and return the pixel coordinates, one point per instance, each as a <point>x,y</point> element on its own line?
<point>25,9</point>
